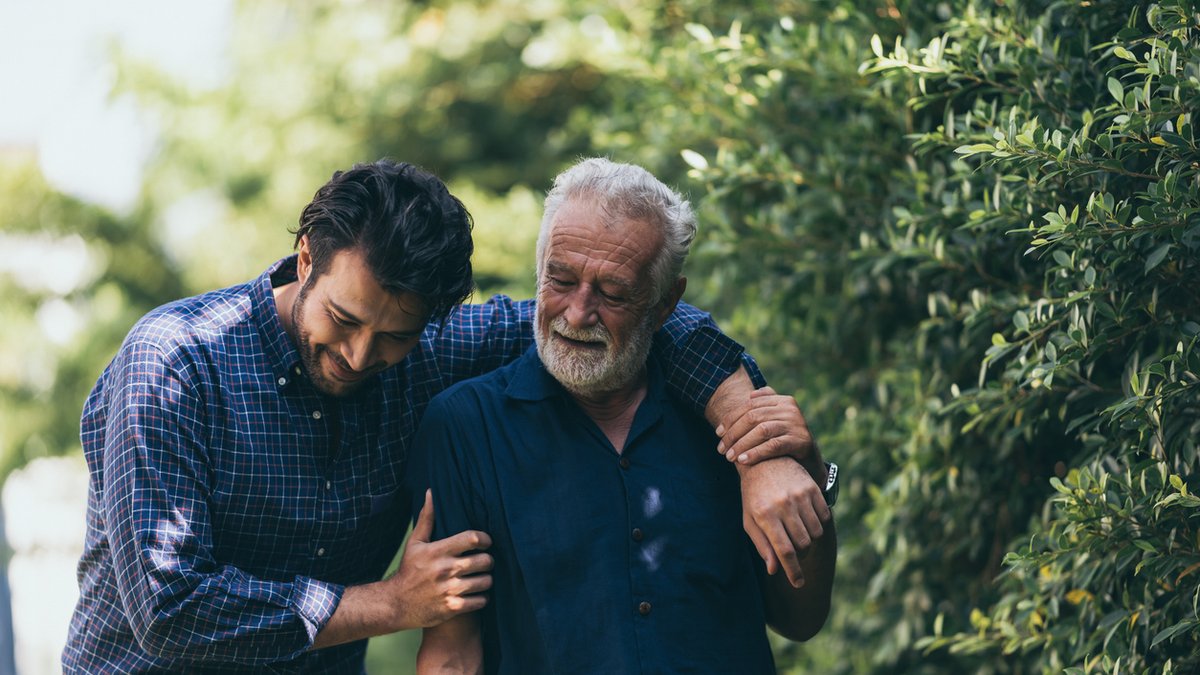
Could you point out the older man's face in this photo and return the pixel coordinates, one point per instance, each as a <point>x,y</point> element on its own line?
<point>595,315</point>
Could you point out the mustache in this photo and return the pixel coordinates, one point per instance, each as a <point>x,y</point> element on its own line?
<point>597,333</point>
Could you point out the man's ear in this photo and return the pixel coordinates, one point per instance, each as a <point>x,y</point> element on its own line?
<point>303,260</point>
<point>672,299</point>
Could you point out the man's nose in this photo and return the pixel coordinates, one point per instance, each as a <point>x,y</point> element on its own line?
<point>582,307</point>
<point>358,351</point>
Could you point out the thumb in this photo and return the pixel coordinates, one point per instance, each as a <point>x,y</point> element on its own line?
<point>423,530</point>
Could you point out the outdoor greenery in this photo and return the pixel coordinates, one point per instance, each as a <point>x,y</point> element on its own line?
<point>966,235</point>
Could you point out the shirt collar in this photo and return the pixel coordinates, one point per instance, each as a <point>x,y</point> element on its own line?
<point>278,344</point>
<point>530,381</point>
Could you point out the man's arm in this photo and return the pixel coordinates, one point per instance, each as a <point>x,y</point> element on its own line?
<point>436,581</point>
<point>182,602</point>
<point>799,613</point>
<point>454,647</point>
<point>179,599</point>
<point>783,507</point>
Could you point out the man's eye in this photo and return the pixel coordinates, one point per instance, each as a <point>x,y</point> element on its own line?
<point>561,283</point>
<point>340,321</point>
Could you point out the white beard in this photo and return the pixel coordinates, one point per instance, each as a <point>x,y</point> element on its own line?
<point>586,371</point>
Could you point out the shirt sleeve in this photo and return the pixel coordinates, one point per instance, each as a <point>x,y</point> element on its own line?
<point>441,461</point>
<point>180,601</point>
<point>696,356</point>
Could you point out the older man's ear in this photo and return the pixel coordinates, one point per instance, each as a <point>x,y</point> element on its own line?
<point>672,299</point>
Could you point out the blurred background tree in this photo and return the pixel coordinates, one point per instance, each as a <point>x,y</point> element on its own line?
<point>963,234</point>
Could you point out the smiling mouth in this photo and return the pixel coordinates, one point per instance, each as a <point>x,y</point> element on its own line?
<point>582,344</point>
<point>345,374</point>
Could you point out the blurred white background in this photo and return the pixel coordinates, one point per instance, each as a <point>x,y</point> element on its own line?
<point>58,105</point>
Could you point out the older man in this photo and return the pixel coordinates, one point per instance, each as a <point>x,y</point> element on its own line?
<point>618,546</point>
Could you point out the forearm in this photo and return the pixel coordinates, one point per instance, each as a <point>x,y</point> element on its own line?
<point>364,612</point>
<point>799,613</point>
<point>452,647</point>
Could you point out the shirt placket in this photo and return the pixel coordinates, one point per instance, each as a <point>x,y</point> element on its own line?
<point>641,500</point>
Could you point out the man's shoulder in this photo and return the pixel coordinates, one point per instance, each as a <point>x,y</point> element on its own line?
<point>476,392</point>
<point>196,318</point>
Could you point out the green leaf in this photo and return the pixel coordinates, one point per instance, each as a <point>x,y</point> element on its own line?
<point>1168,633</point>
<point>1123,53</point>
<point>1157,256</point>
<point>998,340</point>
<point>1063,259</point>
<point>1114,88</point>
<point>1021,320</point>
<point>975,148</point>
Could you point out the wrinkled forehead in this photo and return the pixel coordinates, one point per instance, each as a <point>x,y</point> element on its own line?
<point>583,228</point>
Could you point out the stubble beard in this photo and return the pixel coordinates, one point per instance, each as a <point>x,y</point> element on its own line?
<point>310,357</point>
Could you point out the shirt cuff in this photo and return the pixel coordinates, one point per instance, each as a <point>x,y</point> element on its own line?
<point>314,601</point>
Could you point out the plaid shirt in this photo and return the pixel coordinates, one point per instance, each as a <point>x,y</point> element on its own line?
<point>230,503</point>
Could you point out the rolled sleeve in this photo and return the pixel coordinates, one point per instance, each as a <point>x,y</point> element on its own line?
<point>314,602</point>
<point>699,357</point>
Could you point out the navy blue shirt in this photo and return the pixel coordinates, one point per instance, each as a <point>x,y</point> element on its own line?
<point>230,502</point>
<point>605,563</point>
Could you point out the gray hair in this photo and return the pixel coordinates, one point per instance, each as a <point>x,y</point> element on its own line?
<point>627,192</point>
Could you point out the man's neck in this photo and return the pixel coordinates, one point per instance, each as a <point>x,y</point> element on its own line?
<point>613,411</point>
<point>285,297</point>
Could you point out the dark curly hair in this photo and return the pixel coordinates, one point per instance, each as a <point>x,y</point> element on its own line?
<point>414,235</point>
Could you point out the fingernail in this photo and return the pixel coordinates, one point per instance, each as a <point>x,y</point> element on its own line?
<point>721,447</point>
<point>720,429</point>
<point>744,458</point>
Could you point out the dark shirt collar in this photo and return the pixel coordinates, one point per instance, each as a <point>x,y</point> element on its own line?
<point>278,344</point>
<point>530,381</point>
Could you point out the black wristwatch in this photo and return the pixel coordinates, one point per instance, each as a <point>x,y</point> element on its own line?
<point>830,491</point>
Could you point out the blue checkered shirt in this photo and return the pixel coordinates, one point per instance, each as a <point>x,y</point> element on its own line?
<point>230,503</point>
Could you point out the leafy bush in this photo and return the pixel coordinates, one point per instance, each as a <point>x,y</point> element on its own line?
<point>975,261</point>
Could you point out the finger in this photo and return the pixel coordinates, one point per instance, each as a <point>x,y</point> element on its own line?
<point>809,516</point>
<point>771,438</point>
<point>471,540</point>
<point>473,564</point>
<point>757,412</point>
<point>423,530</point>
<point>759,539</point>
<point>466,603</point>
<point>802,543</point>
<point>764,391</point>
<point>785,550</point>
<point>473,584</point>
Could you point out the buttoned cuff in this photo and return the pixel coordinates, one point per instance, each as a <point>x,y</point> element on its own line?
<point>314,601</point>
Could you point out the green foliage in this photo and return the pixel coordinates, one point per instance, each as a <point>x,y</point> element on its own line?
<point>75,279</point>
<point>975,261</point>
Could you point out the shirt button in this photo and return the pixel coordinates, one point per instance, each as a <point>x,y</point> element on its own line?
<point>316,414</point>
<point>624,462</point>
<point>282,381</point>
<point>296,370</point>
<point>637,534</point>
<point>321,552</point>
<point>328,485</point>
<point>644,608</point>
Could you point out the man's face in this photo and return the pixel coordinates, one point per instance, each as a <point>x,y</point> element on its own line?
<point>596,312</point>
<point>347,327</point>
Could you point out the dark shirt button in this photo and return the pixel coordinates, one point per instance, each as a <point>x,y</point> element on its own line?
<point>624,462</point>
<point>637,534</point>
<point>644,608</point>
